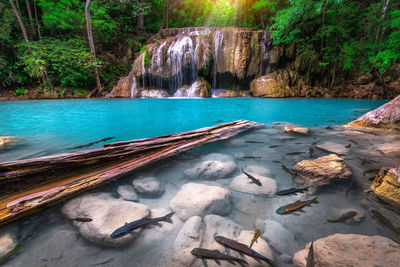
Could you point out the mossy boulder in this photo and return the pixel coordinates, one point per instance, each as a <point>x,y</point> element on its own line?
<point>386,186</point>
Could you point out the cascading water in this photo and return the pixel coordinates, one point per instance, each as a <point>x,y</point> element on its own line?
<point>144,71</point>
<point>134,87</point>
<point>216,48</point>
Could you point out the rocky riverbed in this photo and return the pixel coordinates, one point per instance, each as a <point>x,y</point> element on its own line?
<point>212,196</point>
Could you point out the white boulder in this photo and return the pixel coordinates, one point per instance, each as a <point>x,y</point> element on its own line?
<point>212,166</point>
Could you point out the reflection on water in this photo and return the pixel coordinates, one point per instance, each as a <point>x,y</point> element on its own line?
<point>57,242</point>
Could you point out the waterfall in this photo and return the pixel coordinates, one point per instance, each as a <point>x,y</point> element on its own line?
<point>134,87</point>
<point>144,71</point>
<point>180,53</point>
<point>216,47</point>
<point>192,90</point>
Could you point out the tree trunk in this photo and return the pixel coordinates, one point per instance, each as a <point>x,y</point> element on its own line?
<point>42,69</point>
<point>140,22</point>
<point>262,21</point>
<point>28,8</point>
<point>379,32</point>
<point>91,44</point>
<point>37,21</point>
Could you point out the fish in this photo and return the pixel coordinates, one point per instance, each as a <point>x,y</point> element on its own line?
<point>274,146</point>
<point>251,157</point>
<point>217,256</point>
<point>257,234</point>
<point>310,256</point>
<point>294,153</point>
<point>344,217</point>
<point>276,161</point>
<point>81,219</point>
<point>385,221</point>
<point>311,151</point>
<point>254,142</point>
<point>128,228</point>
<point>218,121</point>
<point>287,209</point>
<point>291,191</point>
<point>252,178</point>
<point>7,256</point>
<point>92,143</point>
<point>348,146</point>
<point>371,171</point>
<point>287,169</point>
<point>242,249</point>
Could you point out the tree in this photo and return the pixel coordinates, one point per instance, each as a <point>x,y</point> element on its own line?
<point>92,49</point>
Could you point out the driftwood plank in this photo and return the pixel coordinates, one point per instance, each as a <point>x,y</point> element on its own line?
<point>26,186</point>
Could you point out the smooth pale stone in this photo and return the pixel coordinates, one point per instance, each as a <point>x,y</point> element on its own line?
<point>278,237</point>
<point>127,193</point>
<point>211,167</point>
<point>107,214</point>
<point>296,129</point>
<point>332,147</point>
<point>8,239</point>
<point>148,187</point>
<point>351,250</point>
<point>243,184</point>
<point>200,199</point>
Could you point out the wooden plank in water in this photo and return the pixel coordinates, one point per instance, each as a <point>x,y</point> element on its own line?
<point>32,184</point>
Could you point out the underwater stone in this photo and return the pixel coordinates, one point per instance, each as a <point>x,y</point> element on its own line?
<point>278,237</point>
<point>188,238</point>
<point>200,199</point>
<point>148,187</point>
<point>6,141</point>
<point>107,214</point>
<point>126,192</point>
<point>351,250</point>
<point>212,166</point>
<point>332,147</point>
<point>8,239</point>
<point>387,187</point>
<point>391,148</point>
<point>243,184</point>
<point>295,129</point>
<point>321,171</point>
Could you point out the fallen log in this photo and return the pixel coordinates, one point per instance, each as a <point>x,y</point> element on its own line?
<point>27,186</point>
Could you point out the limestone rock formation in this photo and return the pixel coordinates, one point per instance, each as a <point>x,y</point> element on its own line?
<point>212,166</point>
<point>148,187</point>
<point>321,171</point>
<point>386,116</point>
<point>276,84</point>
<point>351,250</point>
<point>107,214</point>
<point>200,88</point>
<point>199,199</point>
<point>387,187</point>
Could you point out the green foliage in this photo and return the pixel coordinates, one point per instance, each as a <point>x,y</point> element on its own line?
<point>19,92</point>
<point>79,93</point>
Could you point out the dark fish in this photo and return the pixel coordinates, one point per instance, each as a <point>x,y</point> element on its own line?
<point>128,228</point>
<point>251,157</point>
<point>311,151</point>
<point>371,171</point>
<point>257,234</point>
<point>291,191</point>
<point>353,141</point>
<point>349,145</point>
<point>274,146</point>
<point>254,142</point>
<point>276,161</point>
<point>294,153</point>
<point>287,169</point>
<point>343,218</point>
<point>218,121</point>
<point>207,254</point>
<point>328,127</point>
<point>92,143</point>
<point>242,249</point>
<point>310,256</point>
<point>81,219</point>
<point>252,178</point>
<point>287,209</point>
<point>385,221</point>
<point>14,250</point>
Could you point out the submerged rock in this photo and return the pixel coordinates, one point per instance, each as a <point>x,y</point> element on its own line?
<point>8,239</point>
<point>126,192</point>
<point>148,187</point>
<point>332,147</point>
<point>243,184</point>
<point>296,129</point>
<point>387,187</point>
<point>321,171</point>
<point>351,250</point>
<point>107,214</point>
<point>200,199</point>
<point>386,116</point>
<point>188,238</point>
<point>392,148</point>
<point>212,166</point>
<point>7,141</point>
<point>226,93</point>
<point>278,237</point>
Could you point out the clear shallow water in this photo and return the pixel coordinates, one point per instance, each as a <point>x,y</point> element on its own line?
<point>52,126</point>
<point>56,241</point>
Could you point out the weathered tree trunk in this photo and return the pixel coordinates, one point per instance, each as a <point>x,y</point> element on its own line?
<point>262,21</point>
<point>37,20</point>
<point>28,8</point>
<point>28,185</point>
<point>42,69</point>
<point>92,49</point>
<point>166,14</point>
